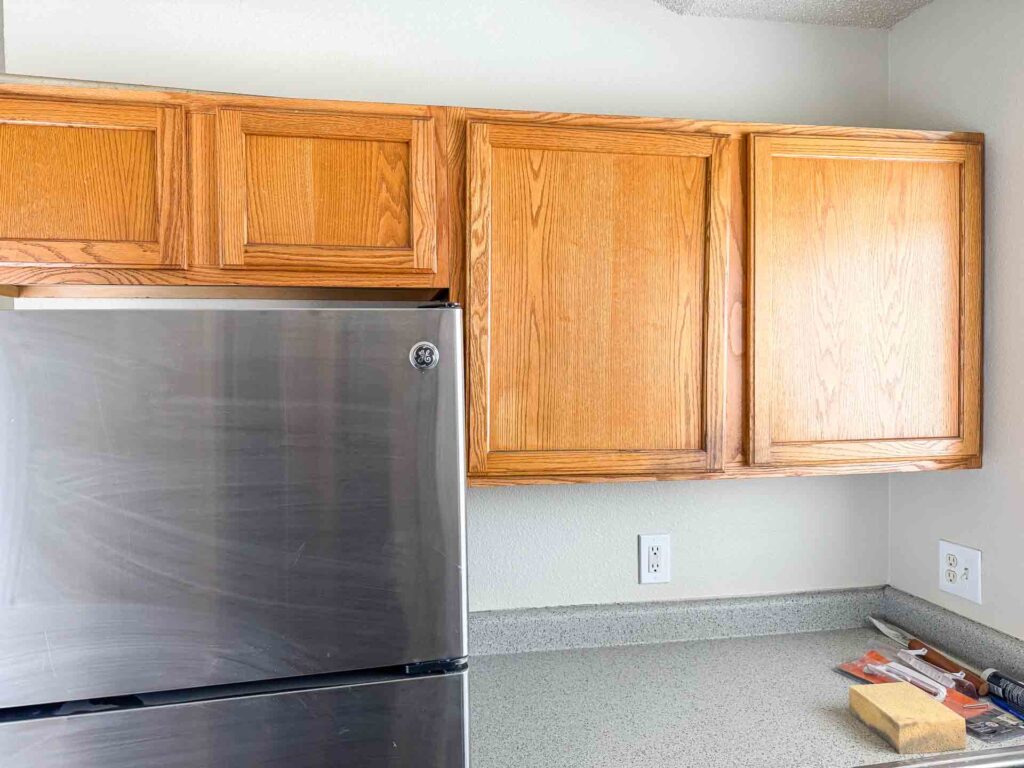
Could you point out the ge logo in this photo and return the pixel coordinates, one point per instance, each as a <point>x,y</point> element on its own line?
<point>423,356</point>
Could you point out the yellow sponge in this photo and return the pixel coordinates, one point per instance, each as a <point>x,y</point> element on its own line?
<point>908,718</point>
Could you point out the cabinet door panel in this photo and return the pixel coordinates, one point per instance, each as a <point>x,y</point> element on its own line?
<point>328,192</point>
<point>336,192</point>
<point>866,294</point>
<point>597,265</point>
<point>91,184</point>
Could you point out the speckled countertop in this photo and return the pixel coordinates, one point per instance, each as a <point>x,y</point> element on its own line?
<point>751,701</point>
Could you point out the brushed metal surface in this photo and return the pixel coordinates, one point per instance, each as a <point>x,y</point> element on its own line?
<point>194,498</point>
<point>1006,757</point>
<point>414,723</point>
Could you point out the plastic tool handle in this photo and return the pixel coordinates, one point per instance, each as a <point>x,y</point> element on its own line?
<point>940,661</point>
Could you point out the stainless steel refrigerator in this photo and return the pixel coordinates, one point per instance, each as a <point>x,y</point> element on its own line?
<point>232,538</point>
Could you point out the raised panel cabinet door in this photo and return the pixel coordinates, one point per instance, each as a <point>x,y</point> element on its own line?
<point>866,293</point>
<point>91,184</point>
<point>316,191</point>
<point>597,269</point>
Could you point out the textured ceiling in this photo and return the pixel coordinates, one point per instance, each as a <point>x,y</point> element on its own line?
<point>876,14</point>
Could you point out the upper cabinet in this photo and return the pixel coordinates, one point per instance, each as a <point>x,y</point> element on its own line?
<point>92,184</point>
<point>596,268</point>
<point>168,188</point>
<point>645,297</point>
<point>320,191</point>
<point>865,300</point>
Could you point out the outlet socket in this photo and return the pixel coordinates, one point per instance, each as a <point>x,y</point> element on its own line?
<point>655,558</point>
<point>960,571</point>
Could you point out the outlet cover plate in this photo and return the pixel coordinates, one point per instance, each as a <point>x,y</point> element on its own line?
<point>655,558</point>
<point>960,571</point>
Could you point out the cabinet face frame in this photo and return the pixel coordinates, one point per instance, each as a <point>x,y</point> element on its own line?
<point>719,151</point>
<point>236,253</point>
<point>966,443</point>
<point>167,123</point>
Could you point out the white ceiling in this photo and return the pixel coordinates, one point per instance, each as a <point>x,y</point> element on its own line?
<point>875,14</point>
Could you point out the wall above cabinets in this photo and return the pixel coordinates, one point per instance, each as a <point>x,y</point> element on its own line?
<point>646,298</point>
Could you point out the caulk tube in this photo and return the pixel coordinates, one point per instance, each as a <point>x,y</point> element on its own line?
<point>1005,687</point>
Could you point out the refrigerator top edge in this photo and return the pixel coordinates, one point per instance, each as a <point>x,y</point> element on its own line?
<point>218,304</point>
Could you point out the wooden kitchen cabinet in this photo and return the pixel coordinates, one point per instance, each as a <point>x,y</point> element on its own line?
<point>87,183</point>
<point>645,297</point>
<point>321,191</point>
<point>866,291</point>
<point>163,188</point>
<point>596,277</point>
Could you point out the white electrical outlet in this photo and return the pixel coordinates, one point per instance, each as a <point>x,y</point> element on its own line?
<point>960,571</point>
<point>655,558</point>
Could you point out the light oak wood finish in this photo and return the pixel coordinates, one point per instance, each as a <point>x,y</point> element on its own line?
<point>92,184</point>
<point>736,447</point>
<point>331,192</point>
<point>339,192</point>
<point>866,288</point>
<point>80,275</point>
<point>187,249</point>
<point>733,472</point>
<point>221,292</point>
<point>300,165</point>
<point>202,264</point>
<point>597,273</point>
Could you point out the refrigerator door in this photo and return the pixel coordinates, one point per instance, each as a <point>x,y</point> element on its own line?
<point>195,498</point>
<point>414,723</point>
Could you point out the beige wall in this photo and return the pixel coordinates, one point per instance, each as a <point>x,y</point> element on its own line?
<point>961,65</point>
<point>632,57</point>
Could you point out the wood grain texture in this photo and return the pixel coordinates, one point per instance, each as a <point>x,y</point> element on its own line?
<point>202,174</point>
<point>86,113</point>
<point>209,101</point>
<point>55,254</point>
<point>173,198</point>
<point>592,337</point>
<point>203,126</point>
<point>596,301</point>
<point>187,254</point>
<point>736,420</point>
<point>327,192</point>
<point>93,274</point>
<point>220,292</point>
<point>719,127</point>
<point>440,198</point>
<point>862,273</point>
<point>92,184</point>
<point>91,106</point>
<point>865,299</point>
<point>346,193</point>
<point>51,171</point>
<point>733,472</point>
<point>455,151</point>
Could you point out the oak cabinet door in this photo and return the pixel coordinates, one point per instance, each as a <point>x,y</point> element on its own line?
<point>866,295</point>
<point>314,191</point>
<point>597,263</point>
<point>91,184</point>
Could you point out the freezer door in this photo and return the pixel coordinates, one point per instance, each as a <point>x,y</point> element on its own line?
<point>415,723</point>
<point>194,498</point>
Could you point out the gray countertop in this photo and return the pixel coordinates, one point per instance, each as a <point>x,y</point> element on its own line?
<point>750,701</point>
